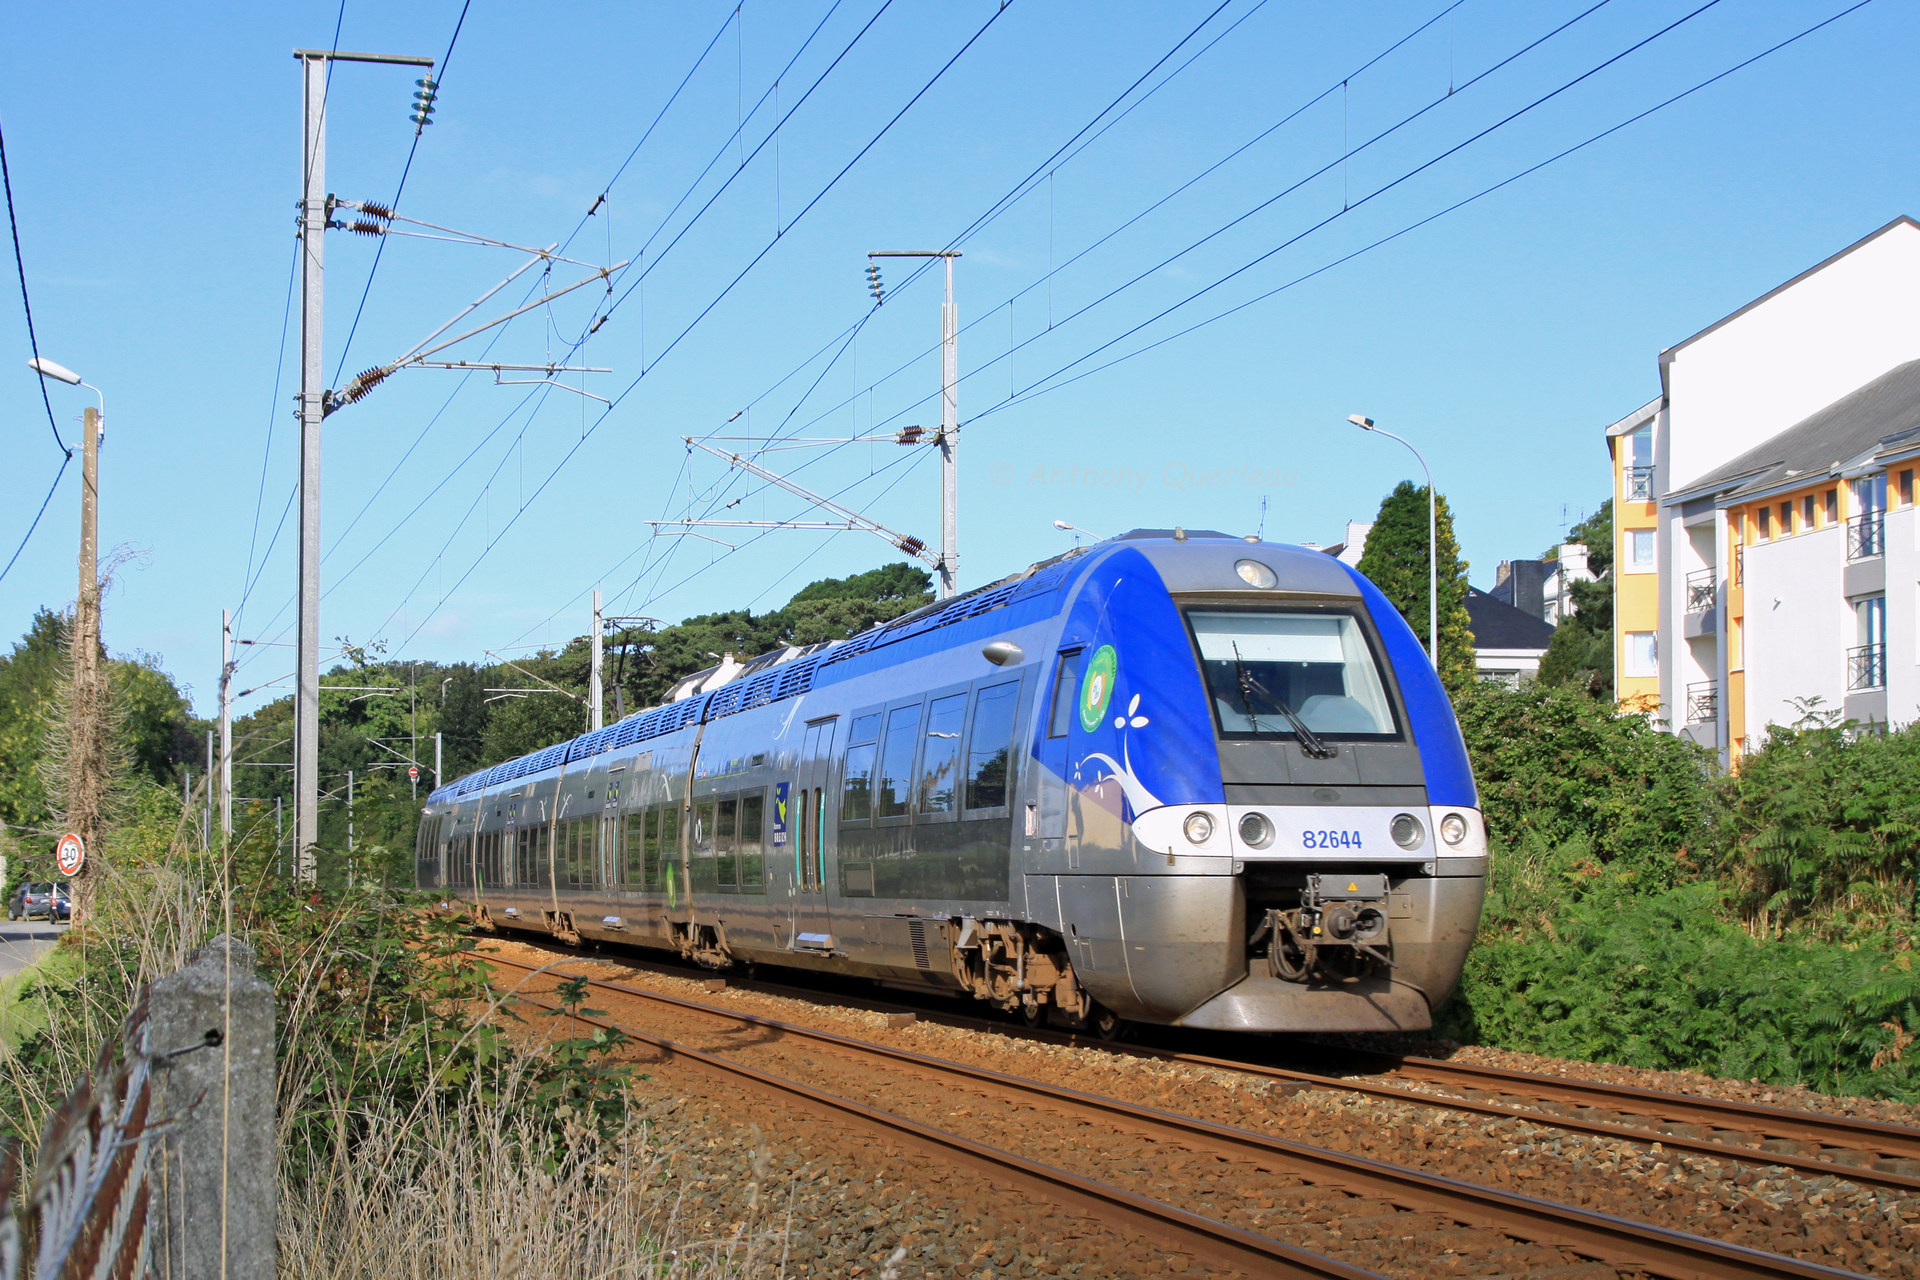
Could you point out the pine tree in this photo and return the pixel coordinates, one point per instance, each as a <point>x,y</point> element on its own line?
<point>1396,561</point>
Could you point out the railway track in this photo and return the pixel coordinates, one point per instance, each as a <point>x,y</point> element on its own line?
<point>1368,1198</point>
<point>1866,1152</point>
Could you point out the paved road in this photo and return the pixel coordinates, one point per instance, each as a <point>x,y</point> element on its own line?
<point>23,941</point>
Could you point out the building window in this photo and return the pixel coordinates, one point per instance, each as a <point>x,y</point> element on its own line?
<point>1867,660</point>
<point>1763,524</point>
<point>1639,470</point>
<point>1640,543</point>
<point>1833,506</point>
<point>1786,518</point>
<point>1643,653</point>
<point>1806,512</point>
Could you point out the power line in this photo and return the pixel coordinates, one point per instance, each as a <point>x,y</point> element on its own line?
<point>248,578</point>
<point>1054,271</point>
<point>1347,207</point>
<point>64,463</point>
<point>727,289</point>
<point>1037,388</point>
<point>26,302</point>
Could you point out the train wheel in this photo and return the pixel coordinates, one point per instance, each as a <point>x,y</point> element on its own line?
<point>1106,1024</point>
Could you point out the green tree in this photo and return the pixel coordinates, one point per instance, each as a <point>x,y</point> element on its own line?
<point>1396,561</point>
<point>1580,655</point>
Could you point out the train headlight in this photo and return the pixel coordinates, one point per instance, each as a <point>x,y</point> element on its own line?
<point>1255,831</point>
<point>1198,827</point>
<point>1407,831</point>
<point>1453,828</point>
<point>1255,574</point>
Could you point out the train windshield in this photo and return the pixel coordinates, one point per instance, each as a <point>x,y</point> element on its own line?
<point>1265,670</point>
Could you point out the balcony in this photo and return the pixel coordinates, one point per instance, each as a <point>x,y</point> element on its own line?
<point>1639,484</point>
<point>1700,591</point>
<point>1739,563</point>
<point>1867,535</point>
<point>1867,667</point>
<point>1703,702</point>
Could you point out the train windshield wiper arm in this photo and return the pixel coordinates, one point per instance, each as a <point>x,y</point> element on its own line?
<point>1310,742</point>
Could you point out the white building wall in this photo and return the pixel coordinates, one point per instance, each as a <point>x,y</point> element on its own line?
<point>1903,616</point>
<point>1798,351</point>
<point>1799,627</point>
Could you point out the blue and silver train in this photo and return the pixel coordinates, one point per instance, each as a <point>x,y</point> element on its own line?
<point>1175,777</point>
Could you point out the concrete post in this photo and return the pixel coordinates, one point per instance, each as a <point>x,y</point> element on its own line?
<point>210,1030</point>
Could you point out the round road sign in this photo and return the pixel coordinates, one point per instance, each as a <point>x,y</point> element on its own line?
<point>71,854</point>
<point>413,773</point>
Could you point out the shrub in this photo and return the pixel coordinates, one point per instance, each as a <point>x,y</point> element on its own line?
<point>1821,827</point>
<point>1662,980</point>
<point>1560,770</point>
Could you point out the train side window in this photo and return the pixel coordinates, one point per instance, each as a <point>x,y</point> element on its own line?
<point>940,756</point>
<point>1066,692</point>
<point>896,762</point>
<point>990,746</point>
<point>750,852</point>
<point>633,847</point>
<point>725,821</point>
<point>856,788</point>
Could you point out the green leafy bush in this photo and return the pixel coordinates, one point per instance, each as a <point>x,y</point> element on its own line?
<point>1557,769</point>
<point>1821,829</point>
<point>1662,980</point>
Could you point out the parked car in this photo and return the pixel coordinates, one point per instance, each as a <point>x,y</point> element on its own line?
<point>51,899</point>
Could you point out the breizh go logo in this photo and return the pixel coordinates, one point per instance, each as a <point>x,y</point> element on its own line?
<point>1096,687</point>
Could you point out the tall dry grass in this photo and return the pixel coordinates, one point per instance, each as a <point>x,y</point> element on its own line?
<point>418,1139</point>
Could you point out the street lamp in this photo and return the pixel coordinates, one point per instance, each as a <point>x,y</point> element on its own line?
<point>60,373</point>
<point>1433,544</point>
<point>1064,527</point>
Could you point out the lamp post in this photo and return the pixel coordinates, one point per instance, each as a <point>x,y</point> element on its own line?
<point>86,713</point>
<point>1433,543</point>
<point>1064,527</point>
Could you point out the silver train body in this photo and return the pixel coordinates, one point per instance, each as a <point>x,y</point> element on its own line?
<point>1174,778</point>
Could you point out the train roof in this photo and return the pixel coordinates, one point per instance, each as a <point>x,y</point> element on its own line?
<point>736,686</point>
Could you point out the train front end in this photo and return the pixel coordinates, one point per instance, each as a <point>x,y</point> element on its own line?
<point>1266,817</point>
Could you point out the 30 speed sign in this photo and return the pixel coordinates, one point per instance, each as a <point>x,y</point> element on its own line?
<point>71,854</point>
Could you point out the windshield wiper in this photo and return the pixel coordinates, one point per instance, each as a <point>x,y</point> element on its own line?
<point>1310,742</point>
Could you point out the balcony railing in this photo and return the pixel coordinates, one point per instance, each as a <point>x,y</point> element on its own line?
<point>1867,535</point>
<point>1739,563</point>
<point>1703,701</point>
<point>1867,667</point>
<point>1639,484</point>
<point>1700,592</point>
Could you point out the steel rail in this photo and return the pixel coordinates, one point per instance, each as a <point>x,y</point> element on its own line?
<point>1891,1140</point>
<point>1837,1132</point>
<point>1179,1229</point>
<point>1606,1237</point>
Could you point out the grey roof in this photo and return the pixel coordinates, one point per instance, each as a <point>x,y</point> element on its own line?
<point>1498,625</point>
<point>1856,425</point>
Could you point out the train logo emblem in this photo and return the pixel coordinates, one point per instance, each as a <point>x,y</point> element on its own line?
<point>71,854</point>
<point>1097,689</point>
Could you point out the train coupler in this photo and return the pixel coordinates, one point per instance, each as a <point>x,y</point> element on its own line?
<point>1339,930</point>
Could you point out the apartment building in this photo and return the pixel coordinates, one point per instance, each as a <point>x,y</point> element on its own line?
<point>1767,553</point>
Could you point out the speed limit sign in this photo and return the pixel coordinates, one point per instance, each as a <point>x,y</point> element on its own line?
<point>71,854</point>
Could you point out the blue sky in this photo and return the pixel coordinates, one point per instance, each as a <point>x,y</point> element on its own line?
<point>155,163</point>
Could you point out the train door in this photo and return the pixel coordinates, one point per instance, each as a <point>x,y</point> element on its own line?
<point>1050,802</point>
<point>809,832</point>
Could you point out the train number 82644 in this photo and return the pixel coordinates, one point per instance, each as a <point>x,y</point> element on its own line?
<point>1330,840</point>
